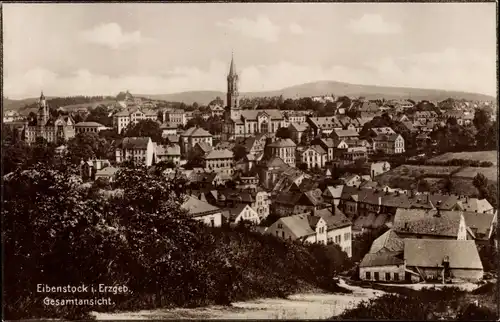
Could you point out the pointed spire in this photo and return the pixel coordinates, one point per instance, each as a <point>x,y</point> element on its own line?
<point>41,96</point>
<point>232,69</point>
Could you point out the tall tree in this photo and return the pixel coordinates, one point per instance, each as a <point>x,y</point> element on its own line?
<point>284,133</point>
<point>88,145</point>
<point>144,128</point>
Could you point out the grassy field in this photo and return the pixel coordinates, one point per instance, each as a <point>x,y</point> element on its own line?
<point>93,105</point>
<point>490,156</point>
<point>470,172</point>
<point>406,176</point>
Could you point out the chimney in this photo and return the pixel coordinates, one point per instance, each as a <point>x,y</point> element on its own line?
<point>467,199</point>
<point>333,209</point>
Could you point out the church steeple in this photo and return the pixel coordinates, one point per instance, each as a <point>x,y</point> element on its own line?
<point>232,90</point>
<point>232,69</point>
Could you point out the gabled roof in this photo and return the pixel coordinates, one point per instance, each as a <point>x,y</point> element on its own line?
<point>204,147</point>
<point>173,138</point>
<point>317,148</point>
<point>346,133</point>
<point>427,222</point>
<point>167,125</point>
<point>475,204</point>
<point>282,143</point>
<point>334,220</point>
<point>135,143</point>
<point>333,191</point>
<point>231,213</point>
<point>168,150</point>
<point>219,154</point>
<point>252,114</point>
<point>387,242</point>
<point>107,171</point>
<point>275,162</point>
<point>382,259</point>
<point>196,207</point>
<point>298,225</point>
<point>480,223</point>
<point>431,253</point>
<point>298,127</point>
<point>196,132</point>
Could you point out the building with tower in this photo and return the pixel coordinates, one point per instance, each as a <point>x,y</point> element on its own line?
<point>245,123</point>
<point>56,130</point>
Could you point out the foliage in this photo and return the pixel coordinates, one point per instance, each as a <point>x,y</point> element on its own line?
<point>57,232</point>
<point>486,191</point>
<point>361,244</point>
<point>489,257</point>
<point>100,115</point>
<point>476,313</point>
<point>239,152</point>
<point>284,133</point>
<point>88,145</point>
<point>423,305</point>
<point>144,128</point>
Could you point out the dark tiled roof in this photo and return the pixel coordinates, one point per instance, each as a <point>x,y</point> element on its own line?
<point>431,253</point>
<point>388,241</point>
<point>427,222</point>
<point>135,143</point>
<point>382,259</point>
<point>333,220</point>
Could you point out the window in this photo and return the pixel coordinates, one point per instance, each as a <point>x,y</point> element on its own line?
<point>347,236</point>
<point>396,276</point>
<point>387,276</point>
<point>283,234</point>
<point>375,275</point>
<point>280,226</point>
<point>212,222</point>
<point>368,275</point>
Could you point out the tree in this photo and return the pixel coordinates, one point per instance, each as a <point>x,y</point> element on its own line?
<point>284,133</point>
<point>482,118</point>
<point>239,152</point>
<point>87,145</point>
<point>144,128</point>
<point>307,136</point>
<point>100,115</point>
<point>15,156</point>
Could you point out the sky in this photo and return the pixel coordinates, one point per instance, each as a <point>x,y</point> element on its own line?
<point>154,48</point>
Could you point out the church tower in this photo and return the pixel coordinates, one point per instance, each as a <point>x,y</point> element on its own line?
<point>233,104</point>
<point>43,111</point>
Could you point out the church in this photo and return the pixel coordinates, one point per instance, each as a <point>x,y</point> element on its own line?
<point>240,123</point>
<point>54,130</point>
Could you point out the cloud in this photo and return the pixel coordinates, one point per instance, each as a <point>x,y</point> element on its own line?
<point>111,35</point>
<point>448,69</point>
<point>260,28</point>
<point>296,29</point>
<point>373,24</point>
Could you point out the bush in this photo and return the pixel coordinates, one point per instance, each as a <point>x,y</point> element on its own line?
<point>477,313</point>
<point>54,234</point>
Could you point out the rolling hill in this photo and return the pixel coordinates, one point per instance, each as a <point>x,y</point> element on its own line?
<point>304,90</point>
<point>329,87</point>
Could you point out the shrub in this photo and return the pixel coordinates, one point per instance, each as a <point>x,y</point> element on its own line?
<point>477,313</point>
<point>54,234</point>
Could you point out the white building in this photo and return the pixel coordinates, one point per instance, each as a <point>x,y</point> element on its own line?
<point>138,149</point>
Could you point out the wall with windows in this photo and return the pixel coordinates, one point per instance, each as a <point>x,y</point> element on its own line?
<point>388,273</point>
<point>341,237</point>
<point>214,220</point>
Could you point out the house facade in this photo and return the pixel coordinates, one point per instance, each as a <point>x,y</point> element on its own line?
<point>202,211</point>
<point>191,137</point>
<point>137,149</point>
<point>314,156</point>
<point>85,127</point>
<point>284,149</point>
<point>219,161</point>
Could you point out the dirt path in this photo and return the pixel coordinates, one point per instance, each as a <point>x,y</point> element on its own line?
<point>298,306</point>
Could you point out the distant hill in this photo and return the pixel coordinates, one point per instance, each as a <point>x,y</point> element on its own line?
<point>9,104</point>
<point>329,87</point>
<point>304,90</point>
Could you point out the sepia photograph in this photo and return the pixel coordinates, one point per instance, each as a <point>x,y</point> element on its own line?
<point>291,161</point>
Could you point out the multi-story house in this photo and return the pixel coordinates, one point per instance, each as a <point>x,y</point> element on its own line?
<point>202,211</point>
<point>240,212</point>
<point>284,149</point>
<point>133,115</point>
<point>219,161</point>
<point>137,149</point>
<point>194,135</point>
<point>216,110</point>
<point>293,117</point>
<point>327,225</point>
<point>288,203</point>
<point>324,125</point>
<point>170,152</point>
<point>389,143</point>
<point>297,130</point>
<point>339,135</point>
<point>314,156</point>
<point>175,116</point>
<point>168,129</point>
